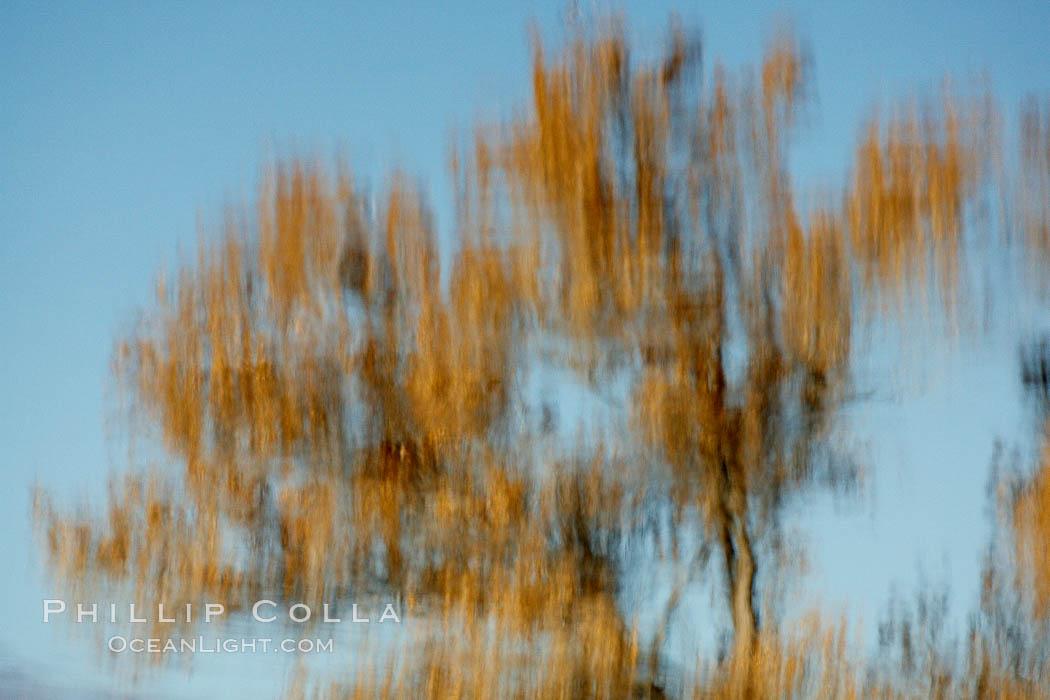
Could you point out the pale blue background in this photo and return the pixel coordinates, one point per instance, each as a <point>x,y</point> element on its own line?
<point>121,123</point>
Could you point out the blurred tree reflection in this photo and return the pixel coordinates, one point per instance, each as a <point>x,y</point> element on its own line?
<point>341,414</point>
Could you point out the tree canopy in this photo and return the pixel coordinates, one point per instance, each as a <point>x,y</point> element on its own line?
<point>335,410</point>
